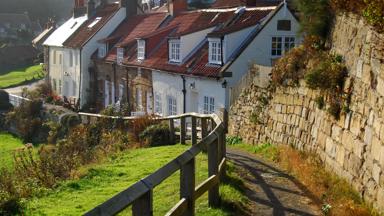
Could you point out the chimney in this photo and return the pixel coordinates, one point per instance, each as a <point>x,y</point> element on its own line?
<point>177,6</point>
<point>90,8</point>
<point>251,3</point>
<point>130,7</point>
<point>79,8</point>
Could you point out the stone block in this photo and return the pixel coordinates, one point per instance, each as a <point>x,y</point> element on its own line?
<point>330,147</point>
<point>376,148</point>
<point>356,124</point>
<point>359,68</point>
<point>340,155</point>
<point>347,121</point>
<point>368,134</point>
<point>380,199</point>
<point>376,172</point>
<point>336,133</point>
<point>380,86</point>
<point>381,161</point>
<point>358,148</point>
<point>347,140</point>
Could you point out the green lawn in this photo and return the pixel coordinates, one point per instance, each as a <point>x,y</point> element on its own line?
<point>8,144</point>
<point>101,182</point>
<point>20,76</point>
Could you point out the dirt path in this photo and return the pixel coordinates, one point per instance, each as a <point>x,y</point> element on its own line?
<point>271,191</point>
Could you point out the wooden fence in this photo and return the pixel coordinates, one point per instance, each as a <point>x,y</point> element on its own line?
<point>140,195</point>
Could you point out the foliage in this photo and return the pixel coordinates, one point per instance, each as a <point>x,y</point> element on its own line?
<point>371,10</point>
<point>8,144</point>
<point>290,67</point>
<point>138,125</point>
<point>21,76</point>
<point>27,119</point>
<point>4,100</point>
<point>156,135</point>
<point>234,140</point>
<point>320,102</point>
<point>316,16</point>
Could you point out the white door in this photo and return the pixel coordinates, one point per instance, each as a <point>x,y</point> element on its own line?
<point>194,106</point>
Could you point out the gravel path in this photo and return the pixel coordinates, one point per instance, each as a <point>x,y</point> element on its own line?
<point>271,191</point>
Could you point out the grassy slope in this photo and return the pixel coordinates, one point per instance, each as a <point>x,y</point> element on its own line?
<point>8,144</point>
<point>103,181</point>
<point>20,76</point>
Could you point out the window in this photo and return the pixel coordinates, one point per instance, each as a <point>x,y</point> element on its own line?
<point>70,58</point>
<point>277,45</point>
<point>140,49</point>
<point>102,51</point>
<point>215,50</point>
<point>174,51</point>
<point>284,25</point>
<point>54,84</point>
<point>120,55</point>
<point>209,105</point>
<point>60,87</point>
<point>158,104</point>
<point>54,57</point>
<point>172,107</point>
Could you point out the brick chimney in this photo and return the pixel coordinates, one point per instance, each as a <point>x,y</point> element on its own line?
<point>130,7</point>
<point>79,8</point>
<point>91,8</point>
<point>250,3</point>
<point>177,6</point>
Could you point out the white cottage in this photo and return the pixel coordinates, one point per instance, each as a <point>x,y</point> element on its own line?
<point>71,46</point>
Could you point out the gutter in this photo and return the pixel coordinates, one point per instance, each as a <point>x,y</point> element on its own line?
<point>184,94</point>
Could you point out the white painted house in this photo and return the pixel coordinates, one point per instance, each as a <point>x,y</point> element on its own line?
<point>207,53</point>
<point>71,46</point>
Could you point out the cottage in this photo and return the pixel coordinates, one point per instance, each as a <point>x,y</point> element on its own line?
<point>193,59</point>
<point>71,46</point>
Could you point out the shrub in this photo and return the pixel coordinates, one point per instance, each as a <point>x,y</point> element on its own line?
<point>138,125</point>
<point>290,67</point>
<point>233,140</point>
<point>320,102</point>
<point>156,135</point>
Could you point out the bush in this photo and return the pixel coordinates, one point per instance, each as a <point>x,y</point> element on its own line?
<point>138,125</point>
<point>234,140</point>
<point>320,102</point>
<point>156,135</point>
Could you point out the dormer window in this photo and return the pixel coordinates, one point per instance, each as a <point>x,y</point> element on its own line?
<point>120,55</point>
<point>140,49</point>
<point>215,51</point>
<point>174,51</point>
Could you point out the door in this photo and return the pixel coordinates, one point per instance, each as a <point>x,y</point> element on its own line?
<point>194,107</point>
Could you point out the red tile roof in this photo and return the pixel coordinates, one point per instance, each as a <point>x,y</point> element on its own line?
<point>84,33</point>
<point>237,3</point>
<point>247,19</point>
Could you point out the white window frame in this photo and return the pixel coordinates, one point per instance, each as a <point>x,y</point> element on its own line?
<point>140,49</point>
<point>282,44</point>
<point>174,50</point>
<point>209,105</point>
<point>158,104</point>
<point>215,51</point>
<point>172,105</point>
<point>120,56</point>
<point>102,51</point>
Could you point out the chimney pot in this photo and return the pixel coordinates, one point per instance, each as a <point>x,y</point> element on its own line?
<point>177,6</point>
<point>90,8</point>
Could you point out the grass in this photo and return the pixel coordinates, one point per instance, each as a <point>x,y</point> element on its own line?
<point>335,195</point>
<point>8,144</point>
<point>98,183</point>
<point>21,76</point>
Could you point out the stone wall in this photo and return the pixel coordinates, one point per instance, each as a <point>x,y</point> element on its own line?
<point>353,146</point>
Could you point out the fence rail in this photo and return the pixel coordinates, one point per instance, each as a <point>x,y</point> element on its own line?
<point>140,195</point>
<point>16,100</point>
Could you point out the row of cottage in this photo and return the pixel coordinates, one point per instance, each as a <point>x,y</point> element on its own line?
<point>165,59</point>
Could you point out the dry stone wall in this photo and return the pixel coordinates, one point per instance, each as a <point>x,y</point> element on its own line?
<point>353,146</point>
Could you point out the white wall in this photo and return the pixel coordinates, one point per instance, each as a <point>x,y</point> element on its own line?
<point>64,71</point>
<point>189,42</point>
<point>91,46</point>
<point>167,84</point>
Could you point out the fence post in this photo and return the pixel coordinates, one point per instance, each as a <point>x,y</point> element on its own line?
<point>172,130</point>
<point>143,206</point>
<point>194,131</point>
<point>204,128</point>
<point>187,186</point>
<point>182,130</point>
<point>213,165</point>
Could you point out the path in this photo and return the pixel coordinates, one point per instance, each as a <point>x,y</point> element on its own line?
<point>271,191</point>
<point>19,89</point>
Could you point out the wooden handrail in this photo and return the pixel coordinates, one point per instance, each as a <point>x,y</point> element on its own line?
<point>139,195</point>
